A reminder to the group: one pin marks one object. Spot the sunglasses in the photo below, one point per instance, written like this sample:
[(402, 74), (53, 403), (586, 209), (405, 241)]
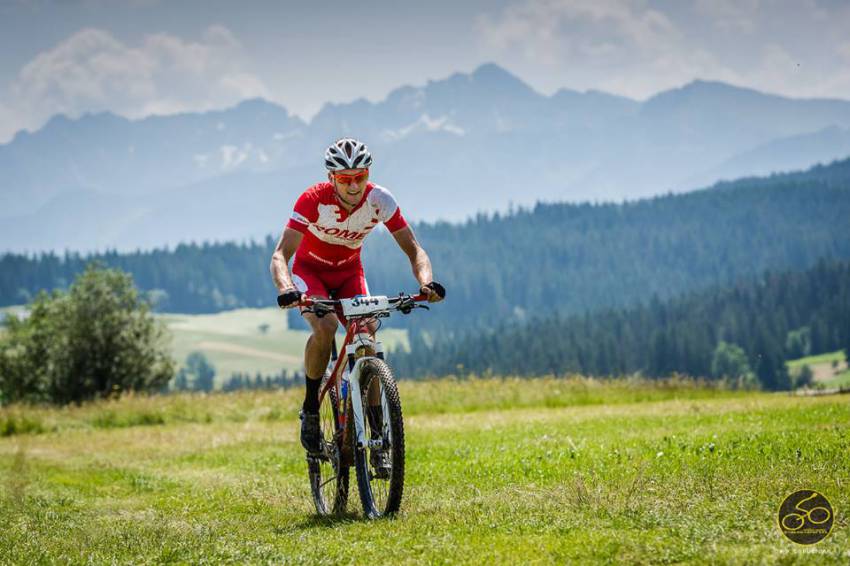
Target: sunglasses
[(348, 179)]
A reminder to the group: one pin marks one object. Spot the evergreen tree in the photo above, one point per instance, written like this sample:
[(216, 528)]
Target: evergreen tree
[(201, 370), (181, 381), (565, 258), (799, 343), (725, 333)]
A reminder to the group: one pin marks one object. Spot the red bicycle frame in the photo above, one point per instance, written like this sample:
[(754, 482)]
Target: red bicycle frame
[(355, 326)]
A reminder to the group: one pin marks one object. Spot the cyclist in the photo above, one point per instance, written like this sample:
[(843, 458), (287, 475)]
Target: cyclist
[(325, 232)]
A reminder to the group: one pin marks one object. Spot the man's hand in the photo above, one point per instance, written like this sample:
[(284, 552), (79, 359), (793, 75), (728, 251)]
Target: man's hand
[(289, 298), (435, 292)]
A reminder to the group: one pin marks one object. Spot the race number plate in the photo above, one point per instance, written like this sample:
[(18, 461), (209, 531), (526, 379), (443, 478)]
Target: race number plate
[(364, 305)]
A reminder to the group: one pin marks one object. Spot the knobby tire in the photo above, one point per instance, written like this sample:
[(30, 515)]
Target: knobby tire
[(378, 369), (322, 471)]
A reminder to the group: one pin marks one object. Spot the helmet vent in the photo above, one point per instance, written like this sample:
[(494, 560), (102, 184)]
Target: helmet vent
[(347, 153)]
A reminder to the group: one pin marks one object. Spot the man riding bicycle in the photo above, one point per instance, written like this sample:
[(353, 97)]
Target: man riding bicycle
[(327, 228)]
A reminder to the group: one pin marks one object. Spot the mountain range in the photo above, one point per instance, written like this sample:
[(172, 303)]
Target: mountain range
[(447, 150)]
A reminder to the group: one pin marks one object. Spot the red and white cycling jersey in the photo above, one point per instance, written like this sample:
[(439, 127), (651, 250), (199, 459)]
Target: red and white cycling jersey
[(332, 235)]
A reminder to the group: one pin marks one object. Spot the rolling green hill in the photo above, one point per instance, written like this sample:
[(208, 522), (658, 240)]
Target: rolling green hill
[(249, 341), (829, 370)]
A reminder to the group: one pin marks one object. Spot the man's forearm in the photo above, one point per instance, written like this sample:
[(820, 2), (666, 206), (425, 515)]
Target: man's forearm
[(283, 252), (280, 272), (419, 261), (421, 265)]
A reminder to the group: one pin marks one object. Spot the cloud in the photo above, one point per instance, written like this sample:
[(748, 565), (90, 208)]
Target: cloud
[(92, 70), (551, 28), (735, 16), (638, 47), (7, 118), (620, 45)]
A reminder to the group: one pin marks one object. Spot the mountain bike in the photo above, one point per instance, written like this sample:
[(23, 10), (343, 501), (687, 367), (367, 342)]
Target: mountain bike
[(360, 412)]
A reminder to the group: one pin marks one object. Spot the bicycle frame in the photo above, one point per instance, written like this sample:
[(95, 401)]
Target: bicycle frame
[(362, 422), (355, 328)]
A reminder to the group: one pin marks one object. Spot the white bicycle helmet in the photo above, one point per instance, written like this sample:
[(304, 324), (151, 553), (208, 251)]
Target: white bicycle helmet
[(347, 153)]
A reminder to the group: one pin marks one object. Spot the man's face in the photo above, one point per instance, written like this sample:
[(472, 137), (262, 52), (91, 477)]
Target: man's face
[(350, 184)]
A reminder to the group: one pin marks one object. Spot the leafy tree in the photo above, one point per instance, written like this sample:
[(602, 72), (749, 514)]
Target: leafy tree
[(95, 340), (729, 361)]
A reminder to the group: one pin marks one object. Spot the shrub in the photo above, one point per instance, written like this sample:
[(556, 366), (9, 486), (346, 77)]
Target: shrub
[(96, 340)]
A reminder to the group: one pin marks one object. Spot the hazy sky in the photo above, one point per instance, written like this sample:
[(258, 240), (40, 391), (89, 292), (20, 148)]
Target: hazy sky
[(139, 57)]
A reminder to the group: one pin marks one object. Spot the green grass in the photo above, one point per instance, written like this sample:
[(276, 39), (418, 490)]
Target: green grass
[(830, 370), (498, 471), (818, 359), (839, 380)]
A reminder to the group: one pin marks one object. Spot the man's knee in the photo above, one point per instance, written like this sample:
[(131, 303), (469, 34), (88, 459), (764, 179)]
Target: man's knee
[(324, 328)]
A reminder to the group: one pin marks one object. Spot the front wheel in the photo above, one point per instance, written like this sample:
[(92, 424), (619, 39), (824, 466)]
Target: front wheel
[(328, 472), (380, 469)]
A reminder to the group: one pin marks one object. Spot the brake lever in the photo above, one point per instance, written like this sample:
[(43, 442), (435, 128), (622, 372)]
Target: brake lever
[(319, 312), (408, 307)]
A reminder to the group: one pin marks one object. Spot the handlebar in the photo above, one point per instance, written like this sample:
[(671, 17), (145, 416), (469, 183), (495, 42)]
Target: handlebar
[(403, 303)]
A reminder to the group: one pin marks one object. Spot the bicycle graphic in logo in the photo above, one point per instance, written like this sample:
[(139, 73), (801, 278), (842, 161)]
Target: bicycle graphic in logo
[(805, 517)]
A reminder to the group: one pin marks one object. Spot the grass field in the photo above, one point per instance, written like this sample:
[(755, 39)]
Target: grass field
[(542, 471), (830, 370)]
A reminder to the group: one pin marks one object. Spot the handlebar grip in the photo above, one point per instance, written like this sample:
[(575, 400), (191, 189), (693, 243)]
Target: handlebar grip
[(437, 288), (290, 298)]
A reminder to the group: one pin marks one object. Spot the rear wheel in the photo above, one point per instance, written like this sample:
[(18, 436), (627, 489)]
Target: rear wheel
[(381, 487), (328, 475)]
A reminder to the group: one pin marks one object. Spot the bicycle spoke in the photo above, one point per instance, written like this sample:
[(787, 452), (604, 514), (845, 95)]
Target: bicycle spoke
[(328, 479)]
